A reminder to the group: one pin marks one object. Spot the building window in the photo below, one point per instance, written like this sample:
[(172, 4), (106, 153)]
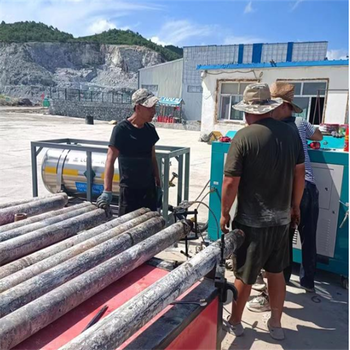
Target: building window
[(151, 88), (194, 89), (230, 94), (310, 96)]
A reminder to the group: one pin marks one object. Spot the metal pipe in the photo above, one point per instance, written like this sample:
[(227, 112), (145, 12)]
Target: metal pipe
[(165, 209), (30, 318), (118, 326), (20, 216), (34, 207), (21, 201), (42, 254), (74, 211), (187, 175), (25, 292), (89, 176), (180, 180), (34, 162), (23, 245), (37, 218), (124, 231)]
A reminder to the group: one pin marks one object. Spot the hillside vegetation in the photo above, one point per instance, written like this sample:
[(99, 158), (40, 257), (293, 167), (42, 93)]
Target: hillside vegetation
[(22, 32)]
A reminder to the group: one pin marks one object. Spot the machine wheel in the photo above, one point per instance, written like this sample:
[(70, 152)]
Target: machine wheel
[(344, 282)]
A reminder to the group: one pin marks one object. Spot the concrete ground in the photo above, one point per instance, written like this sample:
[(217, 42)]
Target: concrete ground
[(317, 321), (311, 321), (18, 129)]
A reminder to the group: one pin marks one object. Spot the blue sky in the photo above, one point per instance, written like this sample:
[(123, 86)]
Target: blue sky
[(198, 22)]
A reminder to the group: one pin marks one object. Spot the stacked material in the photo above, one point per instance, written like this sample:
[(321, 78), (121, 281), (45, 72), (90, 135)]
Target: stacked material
[(117, 327), (38, 286), (55, 261), (24, 237), (31, 207)]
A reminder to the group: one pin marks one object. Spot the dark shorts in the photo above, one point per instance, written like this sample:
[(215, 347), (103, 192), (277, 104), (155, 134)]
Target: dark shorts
[(263, 248), (131, 199)]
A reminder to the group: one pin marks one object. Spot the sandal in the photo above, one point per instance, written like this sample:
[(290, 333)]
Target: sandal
[(276, 333), (236, 330)]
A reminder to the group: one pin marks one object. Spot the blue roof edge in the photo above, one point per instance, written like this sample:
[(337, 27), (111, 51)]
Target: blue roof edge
[(276, 65)]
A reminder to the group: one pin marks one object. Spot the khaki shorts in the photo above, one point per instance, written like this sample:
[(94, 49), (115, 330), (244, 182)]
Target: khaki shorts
[(263, 248)]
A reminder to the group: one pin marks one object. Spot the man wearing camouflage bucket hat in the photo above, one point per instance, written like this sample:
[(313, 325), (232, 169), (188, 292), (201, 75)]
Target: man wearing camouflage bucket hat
[(133, 143), (264, 163), (309, 206)]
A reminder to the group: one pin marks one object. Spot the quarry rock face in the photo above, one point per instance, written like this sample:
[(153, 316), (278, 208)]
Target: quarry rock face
[(26, 67)]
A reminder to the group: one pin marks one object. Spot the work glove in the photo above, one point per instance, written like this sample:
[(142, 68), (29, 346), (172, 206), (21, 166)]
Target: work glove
[(105, 199)]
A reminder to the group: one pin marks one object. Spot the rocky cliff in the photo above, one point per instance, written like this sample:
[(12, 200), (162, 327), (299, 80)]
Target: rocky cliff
[(29, 68)]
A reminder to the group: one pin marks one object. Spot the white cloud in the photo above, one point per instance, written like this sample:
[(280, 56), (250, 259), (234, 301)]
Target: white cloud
[(100, 26), (73, 16), (156, 40), (249, 8), (337, 54), (177, 32), (233, 40), (296, 4)]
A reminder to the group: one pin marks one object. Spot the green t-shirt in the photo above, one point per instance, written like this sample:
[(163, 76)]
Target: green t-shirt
[(264, 156)]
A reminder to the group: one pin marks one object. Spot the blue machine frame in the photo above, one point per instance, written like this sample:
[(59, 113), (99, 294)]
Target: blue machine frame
[(339, 262)]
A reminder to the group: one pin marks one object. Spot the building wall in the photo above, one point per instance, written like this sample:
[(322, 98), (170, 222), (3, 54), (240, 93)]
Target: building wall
[(167, 76), (335, 102), (192, 108), (181, 78), (107, 111), (100, 111), (226, 54)]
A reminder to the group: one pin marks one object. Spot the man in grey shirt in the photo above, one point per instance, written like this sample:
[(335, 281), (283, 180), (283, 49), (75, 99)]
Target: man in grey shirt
[(309, 207)]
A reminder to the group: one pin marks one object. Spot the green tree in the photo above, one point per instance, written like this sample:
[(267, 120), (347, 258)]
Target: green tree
[(29, 31)]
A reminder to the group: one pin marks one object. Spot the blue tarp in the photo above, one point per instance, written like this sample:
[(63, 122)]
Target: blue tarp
[(169, 101)]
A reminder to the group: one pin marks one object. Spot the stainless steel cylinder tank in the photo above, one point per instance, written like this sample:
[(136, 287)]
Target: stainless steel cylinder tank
[(66, 169)]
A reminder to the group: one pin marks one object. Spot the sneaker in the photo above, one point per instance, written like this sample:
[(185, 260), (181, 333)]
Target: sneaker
[(259, 284), (229, 264), (260, 303)]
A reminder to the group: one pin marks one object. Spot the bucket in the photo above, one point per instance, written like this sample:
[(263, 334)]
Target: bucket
[(89, 119)]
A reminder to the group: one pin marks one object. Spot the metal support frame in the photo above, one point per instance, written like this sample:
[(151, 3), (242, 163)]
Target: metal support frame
[(163, 153)]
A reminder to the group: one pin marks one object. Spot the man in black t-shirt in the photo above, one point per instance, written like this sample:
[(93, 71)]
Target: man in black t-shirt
[(133, 143)]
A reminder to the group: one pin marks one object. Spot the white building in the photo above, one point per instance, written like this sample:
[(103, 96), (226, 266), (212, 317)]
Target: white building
[(181, 78), (321, 89)]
